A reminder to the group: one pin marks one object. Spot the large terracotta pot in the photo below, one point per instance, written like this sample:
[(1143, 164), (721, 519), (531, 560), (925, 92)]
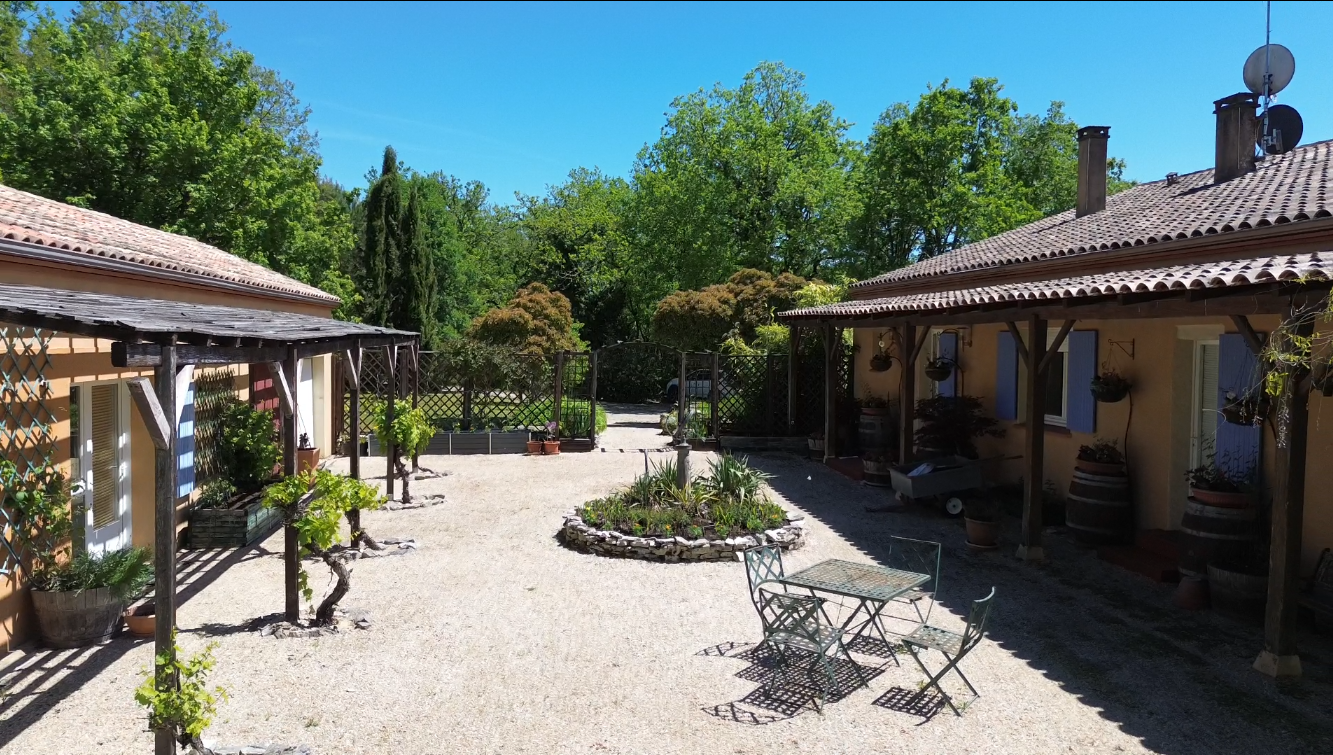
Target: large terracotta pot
[(1222, 500), (306, 459), (75, 619), (141, 621), (982, 534), (551, 446), (535, 447), (1098, 468)]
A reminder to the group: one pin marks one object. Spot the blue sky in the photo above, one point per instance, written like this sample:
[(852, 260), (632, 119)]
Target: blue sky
[(516, 95)]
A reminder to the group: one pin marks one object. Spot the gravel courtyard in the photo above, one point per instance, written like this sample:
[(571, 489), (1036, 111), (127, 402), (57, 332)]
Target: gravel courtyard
[(494, 638)]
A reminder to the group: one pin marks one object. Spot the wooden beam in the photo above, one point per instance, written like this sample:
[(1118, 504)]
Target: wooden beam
[(1252, 339), (164, 537), (1034, 447), (353, 366), (353, 363), (916, 346), (1056, 343), (150, 354), (830, 394), (286, 398), (1279, 657), (1018, 340), (907, 396), (145, 399)]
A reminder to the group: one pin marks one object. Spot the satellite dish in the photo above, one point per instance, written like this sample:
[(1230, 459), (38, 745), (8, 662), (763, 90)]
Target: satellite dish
[(1281, 64), (1283, 131)]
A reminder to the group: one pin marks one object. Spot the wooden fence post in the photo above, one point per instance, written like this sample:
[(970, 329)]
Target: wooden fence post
[(164, 534), (682, 398), (592, 398), (793, 347), (830, 394), (715, 388), (291, 557), (1034, 447), (354, 363), (559, 397), (390, 398)]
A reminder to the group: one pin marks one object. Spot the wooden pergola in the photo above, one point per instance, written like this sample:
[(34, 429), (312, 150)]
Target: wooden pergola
[(912, 321), (173, 338)]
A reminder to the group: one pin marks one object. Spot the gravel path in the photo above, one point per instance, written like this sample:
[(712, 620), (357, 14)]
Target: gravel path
[(493, 638), (633, 426)]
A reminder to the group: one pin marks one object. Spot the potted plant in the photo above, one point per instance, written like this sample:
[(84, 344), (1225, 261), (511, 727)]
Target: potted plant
[(816, 444), (950, 425), (940, 368), (1108, 386), (535, 441), (141, 619), (981, 516), (1247, 410), (1103, 457), (875, 465), (1213, 485), (307, 454), (551, 439), (873, 406), (80, 601)]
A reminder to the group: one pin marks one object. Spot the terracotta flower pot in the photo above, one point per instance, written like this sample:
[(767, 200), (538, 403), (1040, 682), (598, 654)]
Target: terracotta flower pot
[(142, 621), (1222, 500), (1099, 468), (535, 447), (982, 534), (551, 446), (306, 459), (875, 411)]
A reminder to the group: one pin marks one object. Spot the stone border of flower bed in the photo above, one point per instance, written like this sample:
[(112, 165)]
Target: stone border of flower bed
[(575, 533)]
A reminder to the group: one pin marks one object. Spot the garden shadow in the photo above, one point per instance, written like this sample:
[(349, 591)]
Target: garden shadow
[(784, 691), (34, 682), (1180, 682)]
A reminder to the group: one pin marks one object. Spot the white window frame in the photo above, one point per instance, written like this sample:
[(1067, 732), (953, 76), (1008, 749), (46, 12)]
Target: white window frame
[(1062, 419), (124, 462), (1196, 401)]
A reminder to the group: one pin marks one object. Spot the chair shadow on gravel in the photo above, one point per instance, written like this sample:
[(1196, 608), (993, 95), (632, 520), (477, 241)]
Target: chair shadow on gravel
[(911, 702), (1111, 641), (782, 693), (22, 675)]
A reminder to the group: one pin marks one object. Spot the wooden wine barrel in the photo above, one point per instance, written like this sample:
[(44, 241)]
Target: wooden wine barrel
[(1099, 509), (874, 431), (1214, 533)]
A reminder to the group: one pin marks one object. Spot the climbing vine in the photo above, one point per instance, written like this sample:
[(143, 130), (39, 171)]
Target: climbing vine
[(1298, 350)]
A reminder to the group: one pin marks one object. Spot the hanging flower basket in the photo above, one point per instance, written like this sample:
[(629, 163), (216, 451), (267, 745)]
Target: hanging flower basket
[(1109, 387), (880, 363), (1248, 411), (939, 370)]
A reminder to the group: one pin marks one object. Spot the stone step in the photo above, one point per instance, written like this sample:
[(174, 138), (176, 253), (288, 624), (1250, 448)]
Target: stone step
[(1142, 562)]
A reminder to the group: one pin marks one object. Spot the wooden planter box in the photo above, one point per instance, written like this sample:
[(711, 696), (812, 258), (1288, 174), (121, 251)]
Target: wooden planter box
[(443, 444), (237, 526)]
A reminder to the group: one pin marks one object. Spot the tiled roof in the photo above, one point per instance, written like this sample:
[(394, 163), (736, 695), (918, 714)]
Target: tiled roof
[(1315, 266), (1286, 189), (36, 220)]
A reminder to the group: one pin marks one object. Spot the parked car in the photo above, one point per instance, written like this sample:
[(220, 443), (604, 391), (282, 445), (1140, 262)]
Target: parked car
[(698, 384)]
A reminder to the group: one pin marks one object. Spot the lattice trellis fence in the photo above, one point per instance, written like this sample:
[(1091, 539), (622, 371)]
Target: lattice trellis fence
[(27, 435), (214, 390)]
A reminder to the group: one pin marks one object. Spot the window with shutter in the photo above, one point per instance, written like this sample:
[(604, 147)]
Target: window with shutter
[(1238, 374), (104, 435), (1203, 436), (1080, 368), (946, 347)]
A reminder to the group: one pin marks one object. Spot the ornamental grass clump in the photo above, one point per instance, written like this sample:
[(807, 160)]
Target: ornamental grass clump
[(727, 501)]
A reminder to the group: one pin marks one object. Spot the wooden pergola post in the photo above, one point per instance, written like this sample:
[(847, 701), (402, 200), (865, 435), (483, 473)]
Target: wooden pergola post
[(1279, 657), (290, 377), (352, 360), (830, 394), (164, 534), (1034, 445), (592, 397), (714, 390), (390, 398), (910, 345), (414, 353)]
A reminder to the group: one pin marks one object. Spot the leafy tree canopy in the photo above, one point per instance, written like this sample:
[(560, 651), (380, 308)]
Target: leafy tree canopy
[(537, 321)]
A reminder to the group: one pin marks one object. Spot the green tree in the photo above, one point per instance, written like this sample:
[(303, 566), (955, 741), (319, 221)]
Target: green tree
[(380, 242), (416, 285), (757, 176), (957, 167), (536, 321), (144, 111)]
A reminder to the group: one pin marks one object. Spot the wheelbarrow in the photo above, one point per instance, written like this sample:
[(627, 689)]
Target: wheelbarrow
[(942, 480)]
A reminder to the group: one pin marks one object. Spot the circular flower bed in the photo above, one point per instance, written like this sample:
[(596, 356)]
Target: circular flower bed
[(715, 517)]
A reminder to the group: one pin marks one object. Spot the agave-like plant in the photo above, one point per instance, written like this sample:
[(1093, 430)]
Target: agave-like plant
[(734, 479)]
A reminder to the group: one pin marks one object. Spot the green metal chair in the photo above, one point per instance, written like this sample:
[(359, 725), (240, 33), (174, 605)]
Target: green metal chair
[(923, 557), (793, 621), (763, 564), (954, 647)]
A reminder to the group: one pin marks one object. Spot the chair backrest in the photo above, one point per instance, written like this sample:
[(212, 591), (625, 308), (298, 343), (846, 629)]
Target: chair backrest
[(977, 619), (790, 614), (920, 556), (762, 564)]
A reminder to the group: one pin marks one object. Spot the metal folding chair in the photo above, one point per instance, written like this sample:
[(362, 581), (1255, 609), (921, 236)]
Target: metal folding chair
[(922, 557), (952, 645), (793, 621), (763, 564)]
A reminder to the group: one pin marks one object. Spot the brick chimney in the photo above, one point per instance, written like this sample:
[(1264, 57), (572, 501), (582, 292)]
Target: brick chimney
[(1092, 169), (1236, 131)]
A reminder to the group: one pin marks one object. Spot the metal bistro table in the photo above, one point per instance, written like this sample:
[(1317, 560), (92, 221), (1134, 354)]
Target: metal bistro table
[(873, 586)]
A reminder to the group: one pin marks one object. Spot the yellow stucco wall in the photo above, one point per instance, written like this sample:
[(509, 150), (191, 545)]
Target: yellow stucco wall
[(1158, 447)]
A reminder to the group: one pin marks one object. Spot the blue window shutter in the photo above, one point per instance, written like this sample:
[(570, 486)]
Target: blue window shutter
[(1006, 377), (1081, 408), (1237, 447), (185, 445), (948, 349)]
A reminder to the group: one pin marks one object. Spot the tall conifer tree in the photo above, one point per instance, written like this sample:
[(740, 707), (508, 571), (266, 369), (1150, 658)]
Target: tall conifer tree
[(380, 247), (415, 287)]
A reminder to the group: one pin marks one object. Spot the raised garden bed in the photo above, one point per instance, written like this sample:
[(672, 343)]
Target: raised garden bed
[(445, 444), (789, 536), (242, 522)]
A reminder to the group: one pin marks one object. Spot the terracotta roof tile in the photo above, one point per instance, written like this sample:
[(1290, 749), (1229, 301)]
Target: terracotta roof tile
[(1286, 189), (36, 220), (1314, 266)]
